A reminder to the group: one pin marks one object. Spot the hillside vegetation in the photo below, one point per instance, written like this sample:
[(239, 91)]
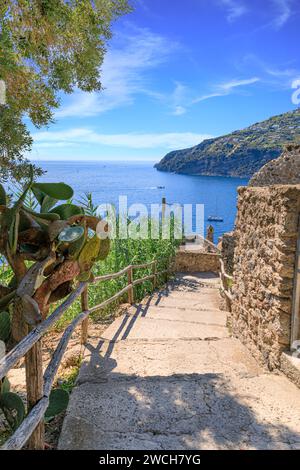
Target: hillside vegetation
[(241, 153)]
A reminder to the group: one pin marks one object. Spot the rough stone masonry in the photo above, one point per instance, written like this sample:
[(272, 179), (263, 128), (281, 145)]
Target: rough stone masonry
[(282, 170), (266, 239)]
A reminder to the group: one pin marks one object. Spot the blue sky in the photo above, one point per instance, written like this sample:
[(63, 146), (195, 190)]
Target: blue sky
[(177, 72)]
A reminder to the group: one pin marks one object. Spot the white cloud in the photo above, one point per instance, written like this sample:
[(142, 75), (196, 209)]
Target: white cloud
[(84, 136), (227, 88), (279, 76), (235, 9), (179, 111), (283, 13), (124, 74), (179, 99)]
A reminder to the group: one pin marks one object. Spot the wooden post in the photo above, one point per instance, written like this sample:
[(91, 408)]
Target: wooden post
[(85, 323), (154, 272), (164, 203), (35, 391), (130, 291)]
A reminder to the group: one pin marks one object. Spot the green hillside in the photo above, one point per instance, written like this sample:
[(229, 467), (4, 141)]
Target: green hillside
[(240, 153)]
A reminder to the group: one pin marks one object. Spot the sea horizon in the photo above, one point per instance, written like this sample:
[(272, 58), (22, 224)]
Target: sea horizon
[(146, 185)]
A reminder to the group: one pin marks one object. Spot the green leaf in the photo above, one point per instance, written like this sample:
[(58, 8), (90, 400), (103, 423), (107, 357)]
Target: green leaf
[(4, 326), (84, 277), (75, 248), (4, 301), (48, 216), (13, 409), (2, 196), (29, 249), (89, 253), (48, 203), (60, 191), (25, 222), (5, 386), (71, 234), (104, 249), (38, 194), (65, 211), (58, 402), (13, 233)]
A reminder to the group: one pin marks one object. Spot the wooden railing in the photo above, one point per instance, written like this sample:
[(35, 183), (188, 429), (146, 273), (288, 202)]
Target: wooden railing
[(226, 286), (35, 416)]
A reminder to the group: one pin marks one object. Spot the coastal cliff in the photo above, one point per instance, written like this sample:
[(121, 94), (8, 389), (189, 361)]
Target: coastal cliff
[(239, 154)]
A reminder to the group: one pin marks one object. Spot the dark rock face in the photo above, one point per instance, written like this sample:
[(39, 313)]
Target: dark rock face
[(239, 154), (283, 170)]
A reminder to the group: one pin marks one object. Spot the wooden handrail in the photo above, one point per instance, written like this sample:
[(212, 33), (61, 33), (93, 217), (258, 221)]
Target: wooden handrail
[(143, 279), (8, 361), (143, 266), (109, 301), (36, 414), (230, 278), (110, 277), (224, 278)]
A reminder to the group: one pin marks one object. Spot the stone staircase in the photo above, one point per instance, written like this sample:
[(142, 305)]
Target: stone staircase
[(166, 375)]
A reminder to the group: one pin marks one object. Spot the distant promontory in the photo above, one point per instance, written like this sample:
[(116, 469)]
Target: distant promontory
[(239, 154)]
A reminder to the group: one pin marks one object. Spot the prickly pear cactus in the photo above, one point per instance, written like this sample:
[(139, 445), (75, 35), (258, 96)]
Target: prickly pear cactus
[(50, 247), (104, 249), (89, 254), (59, 238), (58, 402), (11, 404), (4, 386), (13, 409)]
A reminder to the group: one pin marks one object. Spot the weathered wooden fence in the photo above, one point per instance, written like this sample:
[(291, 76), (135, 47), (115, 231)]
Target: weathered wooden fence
[(226, 286), (31, 430)]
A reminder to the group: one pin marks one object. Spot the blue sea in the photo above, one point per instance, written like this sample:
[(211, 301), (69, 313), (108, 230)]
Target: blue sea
[(143, 184)]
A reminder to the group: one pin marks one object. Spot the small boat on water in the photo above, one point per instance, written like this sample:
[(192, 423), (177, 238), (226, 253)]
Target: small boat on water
[(215, 218)]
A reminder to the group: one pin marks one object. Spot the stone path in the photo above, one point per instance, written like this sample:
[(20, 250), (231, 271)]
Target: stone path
[(167, 376)]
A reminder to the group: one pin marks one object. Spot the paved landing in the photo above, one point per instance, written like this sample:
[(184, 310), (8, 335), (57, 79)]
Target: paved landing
[(167, 376)]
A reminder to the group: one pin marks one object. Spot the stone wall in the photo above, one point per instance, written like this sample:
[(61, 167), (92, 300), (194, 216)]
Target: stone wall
[(282, 170), (264, 263), (227, 244), (192, 261)]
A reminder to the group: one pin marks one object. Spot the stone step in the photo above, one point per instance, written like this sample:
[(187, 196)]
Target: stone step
[(183, 314), (128, 327), (290, 366), (128, 360), (204, 299), (166, 375), (183, 411), (209, 279)]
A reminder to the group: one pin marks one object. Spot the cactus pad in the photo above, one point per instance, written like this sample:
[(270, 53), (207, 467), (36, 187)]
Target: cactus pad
[(104, 249), (4, 326), (89, 254), (70, 234), (5, 386), (58, 402), (13, 409)]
